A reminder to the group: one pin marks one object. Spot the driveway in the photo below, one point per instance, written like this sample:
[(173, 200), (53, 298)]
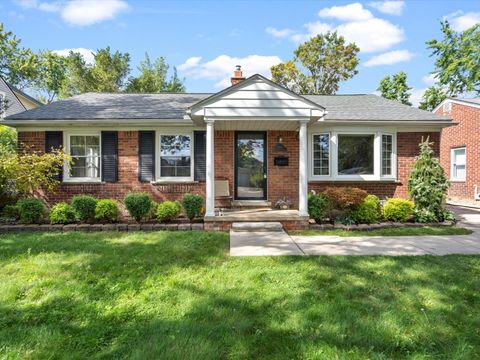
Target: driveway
[(276, 244)]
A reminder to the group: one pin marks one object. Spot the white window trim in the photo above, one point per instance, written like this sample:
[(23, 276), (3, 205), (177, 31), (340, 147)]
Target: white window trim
[(333, 155), (158, 177), (452, 165), (66, 167)]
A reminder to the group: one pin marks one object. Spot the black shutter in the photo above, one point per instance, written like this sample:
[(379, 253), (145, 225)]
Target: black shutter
[(146, 156), (109, 156), (200, 155), (54, 141)]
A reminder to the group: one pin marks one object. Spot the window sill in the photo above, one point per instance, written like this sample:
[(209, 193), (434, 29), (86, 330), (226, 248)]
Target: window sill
[(458, 180), (166, 182), (338, 180), (82, 182)]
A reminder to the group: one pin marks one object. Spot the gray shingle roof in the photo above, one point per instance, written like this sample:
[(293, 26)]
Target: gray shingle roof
[(172, 106)]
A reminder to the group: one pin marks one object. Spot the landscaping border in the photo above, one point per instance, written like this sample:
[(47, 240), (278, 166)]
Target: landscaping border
[(101, 227), (382, 225)]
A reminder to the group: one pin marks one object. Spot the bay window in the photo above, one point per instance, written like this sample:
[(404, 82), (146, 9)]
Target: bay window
[(458, 167), (85, 153), (347, 155), (175, 156)]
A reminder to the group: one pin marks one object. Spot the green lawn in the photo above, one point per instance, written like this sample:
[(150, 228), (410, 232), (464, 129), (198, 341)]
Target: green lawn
[(178, 295), (413, 231)]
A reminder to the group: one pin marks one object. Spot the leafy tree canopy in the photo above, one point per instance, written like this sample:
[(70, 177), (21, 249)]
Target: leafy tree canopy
[(457, 61), (153, 78), (319, 65), (395, 88), (432, 97)]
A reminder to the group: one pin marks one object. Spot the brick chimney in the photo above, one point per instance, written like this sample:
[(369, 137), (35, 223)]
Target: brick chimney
[(237, 75)]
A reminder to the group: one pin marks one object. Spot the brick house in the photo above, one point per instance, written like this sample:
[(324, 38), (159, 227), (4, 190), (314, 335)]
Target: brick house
[(268, 142), (460, 148)]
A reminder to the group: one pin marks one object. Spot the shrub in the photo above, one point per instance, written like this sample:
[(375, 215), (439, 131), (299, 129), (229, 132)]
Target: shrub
[(427, 184), (344, 198), (31, 210), (62, 213), (168, 211), (192, 205), (84, 207), (426, 216), (107, 210), (11, 212), (317, 207), (399, 210), (368, 212), (138, 205)]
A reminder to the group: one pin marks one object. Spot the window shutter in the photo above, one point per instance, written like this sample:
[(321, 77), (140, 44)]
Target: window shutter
[(54, 141), (200, 158), (109, 156), (146, 156)]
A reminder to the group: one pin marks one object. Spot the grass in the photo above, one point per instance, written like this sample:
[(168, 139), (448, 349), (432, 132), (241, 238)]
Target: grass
[(414, 231), (178, 295)]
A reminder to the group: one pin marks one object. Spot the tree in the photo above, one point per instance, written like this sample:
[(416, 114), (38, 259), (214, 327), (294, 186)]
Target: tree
[(106, 74), (8, 140), (395, 88), (427, 184), (18, 65), (432, 97), (319, 65), (457, 61), (153, 78), (53, 69)]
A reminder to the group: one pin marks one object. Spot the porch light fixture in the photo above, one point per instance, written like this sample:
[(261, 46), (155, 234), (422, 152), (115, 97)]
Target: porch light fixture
[(280, 147)]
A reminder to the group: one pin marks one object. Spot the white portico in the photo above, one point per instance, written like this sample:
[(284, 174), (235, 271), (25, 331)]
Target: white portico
[(253, 107)]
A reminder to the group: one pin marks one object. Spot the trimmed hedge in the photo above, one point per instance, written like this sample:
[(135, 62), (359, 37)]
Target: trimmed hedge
[(107, 210), (368, 212), (317, 207), (138, 205), (192, 205), (168, 211), (398, 210), (84, 207), (31, 210), (62, 213)]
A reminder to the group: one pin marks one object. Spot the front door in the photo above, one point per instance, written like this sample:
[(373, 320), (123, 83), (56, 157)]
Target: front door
[(250, 165)]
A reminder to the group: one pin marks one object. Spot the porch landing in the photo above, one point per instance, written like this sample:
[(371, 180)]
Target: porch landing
[(290, 219)]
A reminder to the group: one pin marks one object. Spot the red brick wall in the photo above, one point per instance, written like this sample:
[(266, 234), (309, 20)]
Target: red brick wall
[(466, 133), (407, 149), (34, 140), (282, 181)]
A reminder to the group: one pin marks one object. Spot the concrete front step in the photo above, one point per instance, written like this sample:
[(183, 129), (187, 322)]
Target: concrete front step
[(251, 204), (257, 226)]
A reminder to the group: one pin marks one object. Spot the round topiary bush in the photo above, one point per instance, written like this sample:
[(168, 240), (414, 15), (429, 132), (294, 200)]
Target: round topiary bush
[(168, 211), (368, 212), (107, 211), (11, 212), (84, 207), (31, 210), (62, 213), (399, 210), (138, 205), (192, 205)]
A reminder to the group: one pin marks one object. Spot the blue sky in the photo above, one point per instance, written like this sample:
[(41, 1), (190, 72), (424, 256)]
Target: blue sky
[(206, 39)]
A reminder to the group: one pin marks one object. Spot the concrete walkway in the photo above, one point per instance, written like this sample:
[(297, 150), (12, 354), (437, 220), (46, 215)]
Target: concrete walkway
[(274, 243)]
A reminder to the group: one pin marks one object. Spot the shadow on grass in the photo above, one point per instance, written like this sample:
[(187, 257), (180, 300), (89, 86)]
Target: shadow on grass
[(177, 296)]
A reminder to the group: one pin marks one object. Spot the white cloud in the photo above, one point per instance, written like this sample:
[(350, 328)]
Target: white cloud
[(88, 12), (79, 12), (279, 33), (351, 12), (87, 54), (357, 24), (221, 68), (429, 79), (391, 7), (461, 21), (389, 58), (416, 96)]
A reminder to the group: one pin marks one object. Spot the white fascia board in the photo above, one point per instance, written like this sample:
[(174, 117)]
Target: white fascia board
[(96, 122)]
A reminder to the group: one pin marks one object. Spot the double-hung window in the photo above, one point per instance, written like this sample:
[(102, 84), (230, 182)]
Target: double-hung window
[(321, 154), (176, 157), (458, 167), (387, 155), (85, 153)]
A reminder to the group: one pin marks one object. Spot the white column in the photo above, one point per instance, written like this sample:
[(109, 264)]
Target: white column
[(210, 176), (302, 168)]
